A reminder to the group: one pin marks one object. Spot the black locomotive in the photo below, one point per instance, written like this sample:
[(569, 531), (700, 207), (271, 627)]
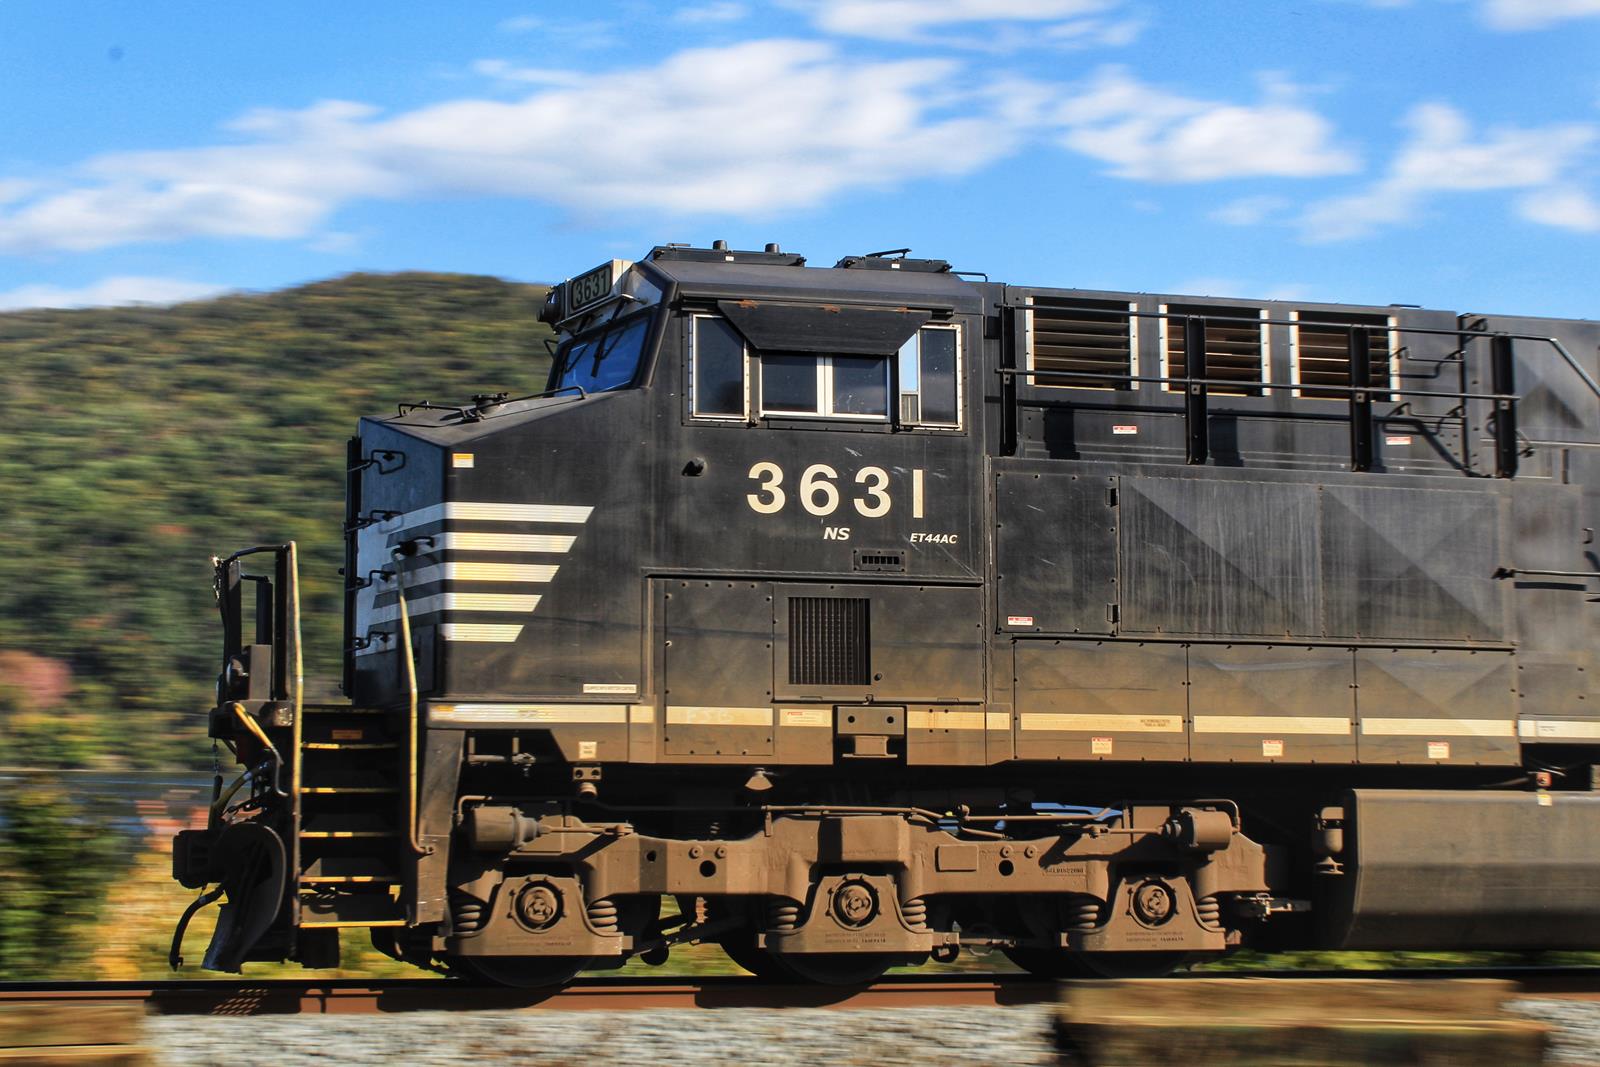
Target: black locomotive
[(872, 612)]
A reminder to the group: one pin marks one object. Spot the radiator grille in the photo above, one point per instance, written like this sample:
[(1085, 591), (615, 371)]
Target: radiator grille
[(829, 641), (1233, 347), (1322, 352), (1087, 336)]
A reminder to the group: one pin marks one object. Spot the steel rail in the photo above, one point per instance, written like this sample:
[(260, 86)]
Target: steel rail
[(634, 993)]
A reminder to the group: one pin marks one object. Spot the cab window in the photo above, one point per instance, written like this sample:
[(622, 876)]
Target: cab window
[(600, 362), (716, 369), (730, 379), (930, 377), (842, 387)]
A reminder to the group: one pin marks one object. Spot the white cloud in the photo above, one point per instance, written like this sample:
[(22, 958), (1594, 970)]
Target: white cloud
[(1442, 156), (988, 25), (718, 11), (504, 71), (1151, 134), (1249, 210), (335, 242), (557, 35), (15, 189), (1517, 15), (1563, 207), (754, 128), (126, 289), (1535, 14)]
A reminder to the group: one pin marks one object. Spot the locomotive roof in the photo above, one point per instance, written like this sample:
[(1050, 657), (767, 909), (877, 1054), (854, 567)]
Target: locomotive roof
[(924, 289)]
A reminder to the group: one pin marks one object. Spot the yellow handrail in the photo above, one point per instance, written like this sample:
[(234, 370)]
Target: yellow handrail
[(299, 668), (411, 699)]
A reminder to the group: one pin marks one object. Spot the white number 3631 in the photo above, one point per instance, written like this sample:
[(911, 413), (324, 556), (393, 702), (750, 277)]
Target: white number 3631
[(819, 494)]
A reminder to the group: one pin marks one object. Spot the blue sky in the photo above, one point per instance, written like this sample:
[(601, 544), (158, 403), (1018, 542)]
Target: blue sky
[(1437, 152)]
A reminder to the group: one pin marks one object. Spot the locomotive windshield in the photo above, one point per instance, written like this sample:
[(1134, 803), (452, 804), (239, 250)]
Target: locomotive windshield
[(602, 361)]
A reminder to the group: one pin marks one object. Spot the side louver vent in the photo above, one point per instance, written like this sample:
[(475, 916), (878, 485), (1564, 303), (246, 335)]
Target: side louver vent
[(1235, 350), (1093, 337), (1322, 351), (830, 641)]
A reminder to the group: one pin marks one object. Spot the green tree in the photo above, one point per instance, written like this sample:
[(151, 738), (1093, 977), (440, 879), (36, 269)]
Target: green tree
[(141, 441), (55, 861)]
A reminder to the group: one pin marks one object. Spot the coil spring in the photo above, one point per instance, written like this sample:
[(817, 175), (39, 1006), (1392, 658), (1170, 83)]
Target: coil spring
[(467, 914), (1083, 913), (915, 913), (783, 914), (603, 915), (1210, 911)]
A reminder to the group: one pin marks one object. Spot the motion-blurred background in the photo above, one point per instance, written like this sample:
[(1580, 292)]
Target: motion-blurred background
[(1440, 152)]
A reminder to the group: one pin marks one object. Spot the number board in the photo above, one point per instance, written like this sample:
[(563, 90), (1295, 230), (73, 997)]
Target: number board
[(590, 287)]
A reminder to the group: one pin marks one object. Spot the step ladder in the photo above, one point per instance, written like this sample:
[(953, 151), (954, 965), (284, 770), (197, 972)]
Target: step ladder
[(351, 841)]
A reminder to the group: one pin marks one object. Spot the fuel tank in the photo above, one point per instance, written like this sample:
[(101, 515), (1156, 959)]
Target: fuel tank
[(1466, 870)]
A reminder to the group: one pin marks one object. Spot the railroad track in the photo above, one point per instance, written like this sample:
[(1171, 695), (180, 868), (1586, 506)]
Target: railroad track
[(628, 993)]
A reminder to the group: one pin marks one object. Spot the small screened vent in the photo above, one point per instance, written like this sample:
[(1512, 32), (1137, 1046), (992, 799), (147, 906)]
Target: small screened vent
[(880, 559), (910, 409), (1088, 337), (829, 641), (1322, 352), (1234, 349)]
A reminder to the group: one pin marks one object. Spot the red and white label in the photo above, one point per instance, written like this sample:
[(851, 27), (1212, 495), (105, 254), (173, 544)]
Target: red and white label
[(1125, 431), (1100, 746), (1019, 620), (1271, 748), (1438, 750), (1397, 439)]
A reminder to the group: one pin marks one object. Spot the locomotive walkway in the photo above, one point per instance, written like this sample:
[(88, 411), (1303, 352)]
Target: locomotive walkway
[(618, 993)]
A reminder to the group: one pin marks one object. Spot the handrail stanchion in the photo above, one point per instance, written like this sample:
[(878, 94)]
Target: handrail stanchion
[(1360, 399), (1016, 321), (1194, 395), (1502, 376)]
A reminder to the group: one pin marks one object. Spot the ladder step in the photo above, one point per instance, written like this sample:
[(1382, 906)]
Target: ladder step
[(323, 790), (350, 909), (349, 824), (340, 709), (348, 746), (348, 871), (363, 867)]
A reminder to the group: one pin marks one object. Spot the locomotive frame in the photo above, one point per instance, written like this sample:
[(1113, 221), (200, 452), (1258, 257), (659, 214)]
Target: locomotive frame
[(873, 612)]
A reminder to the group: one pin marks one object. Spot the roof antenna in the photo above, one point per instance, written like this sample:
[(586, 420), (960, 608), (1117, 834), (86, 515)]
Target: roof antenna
[(898, 253)]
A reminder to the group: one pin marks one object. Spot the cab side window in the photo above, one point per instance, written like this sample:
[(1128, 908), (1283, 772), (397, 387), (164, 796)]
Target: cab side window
[(730, 380), (930, 377), (716, 369), (843, 387)]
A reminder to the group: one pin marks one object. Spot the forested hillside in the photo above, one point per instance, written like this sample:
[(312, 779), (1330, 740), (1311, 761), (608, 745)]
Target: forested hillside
[(138, 442)]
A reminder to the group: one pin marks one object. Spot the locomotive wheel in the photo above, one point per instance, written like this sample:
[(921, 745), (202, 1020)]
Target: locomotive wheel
[(838, 968), (521, 972), (741, 949), (1060, 963)]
